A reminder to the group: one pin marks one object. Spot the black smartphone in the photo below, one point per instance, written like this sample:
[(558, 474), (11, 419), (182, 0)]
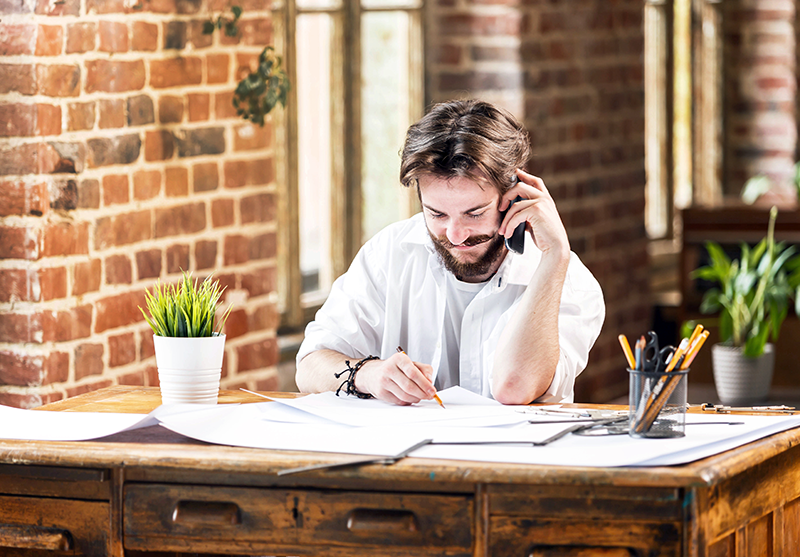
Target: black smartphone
[(516, 242)]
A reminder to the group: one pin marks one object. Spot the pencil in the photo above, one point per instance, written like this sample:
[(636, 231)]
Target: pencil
[(436, 396), (626, 348)]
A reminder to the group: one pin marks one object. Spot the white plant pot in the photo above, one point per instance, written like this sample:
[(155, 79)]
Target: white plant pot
[(741, 380), (189, 369)]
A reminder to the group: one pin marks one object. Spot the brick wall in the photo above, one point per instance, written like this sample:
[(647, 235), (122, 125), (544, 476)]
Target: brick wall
[(122, 161), (760, 57), (573, 71)]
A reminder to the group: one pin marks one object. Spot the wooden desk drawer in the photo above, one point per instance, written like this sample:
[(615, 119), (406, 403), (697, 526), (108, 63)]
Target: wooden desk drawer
[(34, 526), (241, 520)]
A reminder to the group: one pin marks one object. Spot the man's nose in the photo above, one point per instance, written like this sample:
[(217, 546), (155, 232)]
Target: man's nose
[(456, 233)]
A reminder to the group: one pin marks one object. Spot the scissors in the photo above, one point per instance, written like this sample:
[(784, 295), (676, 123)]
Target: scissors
[(653, 358)]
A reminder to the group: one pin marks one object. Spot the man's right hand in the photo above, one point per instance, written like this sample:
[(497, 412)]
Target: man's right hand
[(398, 380)]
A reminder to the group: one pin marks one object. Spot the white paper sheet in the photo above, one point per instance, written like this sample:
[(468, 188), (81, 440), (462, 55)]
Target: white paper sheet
[(41, 425), (462, 408)]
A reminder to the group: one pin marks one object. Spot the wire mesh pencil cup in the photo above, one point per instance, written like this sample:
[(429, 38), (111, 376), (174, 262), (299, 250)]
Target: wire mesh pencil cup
[(657, 403)]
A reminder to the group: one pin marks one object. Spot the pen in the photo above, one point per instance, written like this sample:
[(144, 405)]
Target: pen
[(439, 400)]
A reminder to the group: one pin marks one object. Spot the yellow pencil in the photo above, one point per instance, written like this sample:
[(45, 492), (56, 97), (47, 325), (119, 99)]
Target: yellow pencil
[(626, 348), (436, 396)]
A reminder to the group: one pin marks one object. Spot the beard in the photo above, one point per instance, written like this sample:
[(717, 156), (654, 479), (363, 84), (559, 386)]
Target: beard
[(470, 269)]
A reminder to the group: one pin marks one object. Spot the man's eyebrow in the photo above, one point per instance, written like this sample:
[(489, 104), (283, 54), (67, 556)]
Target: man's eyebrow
[(472, 210)]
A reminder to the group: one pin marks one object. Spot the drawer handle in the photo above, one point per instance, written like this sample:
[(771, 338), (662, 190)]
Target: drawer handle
[(207, 512), (382, 520), (573, 551), (34, 537)]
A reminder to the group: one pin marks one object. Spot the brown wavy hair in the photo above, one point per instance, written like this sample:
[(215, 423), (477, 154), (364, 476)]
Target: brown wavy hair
[(469, 138)]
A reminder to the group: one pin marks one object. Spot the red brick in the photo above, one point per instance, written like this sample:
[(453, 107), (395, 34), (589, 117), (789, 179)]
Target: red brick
[(22, 370), (16, 286), (89, 194), (80, 37), (237, 249), (159, 145), (114, 76), (58, 7), (80, 116), (199, 106), (217, 68), (223, 106), (17, 78), (66, 238), (206, 176), (53, 283), (123, 229), (118, 311), (66, 325), (19, 120), (237, 324), (176, 72), (183, 219), (260, 281), (88, 360), (177, 258), (196, 37), (257, 355), (121, 350), (235, 174), (176, 181), (146, 348), (115, 189), (258, 208), (256, 31), (17, 39), (263, 246), (260, 171), (19, 243), (118, 270), (21, 327), (112, 113), (28, 401), (246, 63), (148, 264), (113, 36), (144, 36), (146, 184), (268, 384), (134, 379), (58, 80), (222, 213), (63, 195), (49, 40), (250, 137), (205, 254), (19, 198), (107, 6), (264, 318), (56, 367), (170, 109), (61, 157), (48, 119), (87, 276)]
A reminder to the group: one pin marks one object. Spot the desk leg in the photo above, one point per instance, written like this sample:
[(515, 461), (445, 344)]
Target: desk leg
[(481, 541), (117, 499)]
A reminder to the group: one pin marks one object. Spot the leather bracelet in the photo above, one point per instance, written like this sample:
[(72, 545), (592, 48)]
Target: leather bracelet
[(349, 384)]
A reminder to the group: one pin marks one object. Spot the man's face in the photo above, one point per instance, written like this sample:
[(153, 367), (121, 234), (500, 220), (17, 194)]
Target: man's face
[(462, 216)]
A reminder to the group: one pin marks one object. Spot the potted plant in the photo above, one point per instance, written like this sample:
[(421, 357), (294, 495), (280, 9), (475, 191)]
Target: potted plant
[(187, 336), (752, 296)]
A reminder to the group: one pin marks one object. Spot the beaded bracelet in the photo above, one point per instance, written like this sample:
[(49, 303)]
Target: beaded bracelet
[(349, 384)]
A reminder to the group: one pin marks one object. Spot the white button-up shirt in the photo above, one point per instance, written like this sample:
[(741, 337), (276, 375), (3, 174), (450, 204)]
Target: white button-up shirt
[(394, 294)]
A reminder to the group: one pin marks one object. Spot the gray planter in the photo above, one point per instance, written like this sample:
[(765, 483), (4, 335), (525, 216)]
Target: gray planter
[(740, 380)]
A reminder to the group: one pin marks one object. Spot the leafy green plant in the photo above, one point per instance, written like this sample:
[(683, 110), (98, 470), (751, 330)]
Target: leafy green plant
[(758, 185), (184, 309), (258, 93), (753, 292)]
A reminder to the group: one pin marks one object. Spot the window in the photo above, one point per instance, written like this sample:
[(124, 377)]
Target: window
[(357, 86)]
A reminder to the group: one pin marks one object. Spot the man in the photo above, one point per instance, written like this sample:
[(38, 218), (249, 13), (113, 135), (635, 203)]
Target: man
[(438, 300)]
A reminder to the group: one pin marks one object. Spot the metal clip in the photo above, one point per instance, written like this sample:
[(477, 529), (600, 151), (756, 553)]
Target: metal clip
[(722, 409)]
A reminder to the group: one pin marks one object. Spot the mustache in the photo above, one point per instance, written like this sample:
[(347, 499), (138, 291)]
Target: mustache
[(469, 242)]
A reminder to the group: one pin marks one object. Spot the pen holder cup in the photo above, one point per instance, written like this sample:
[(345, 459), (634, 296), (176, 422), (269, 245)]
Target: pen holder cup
[(657, 403)]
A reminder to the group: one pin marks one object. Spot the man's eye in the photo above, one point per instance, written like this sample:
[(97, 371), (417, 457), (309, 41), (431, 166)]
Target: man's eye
[(436, 215), (475, 215)]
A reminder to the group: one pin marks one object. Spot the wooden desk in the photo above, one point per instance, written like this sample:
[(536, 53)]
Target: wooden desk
[(150, 490)]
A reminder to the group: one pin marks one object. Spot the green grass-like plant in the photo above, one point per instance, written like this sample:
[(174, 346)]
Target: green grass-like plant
[(185, 309)]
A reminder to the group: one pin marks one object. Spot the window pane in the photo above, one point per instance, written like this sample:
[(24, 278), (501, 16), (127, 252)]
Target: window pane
[(318, 5), (385, 104), (314, 47), (398, 4)]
